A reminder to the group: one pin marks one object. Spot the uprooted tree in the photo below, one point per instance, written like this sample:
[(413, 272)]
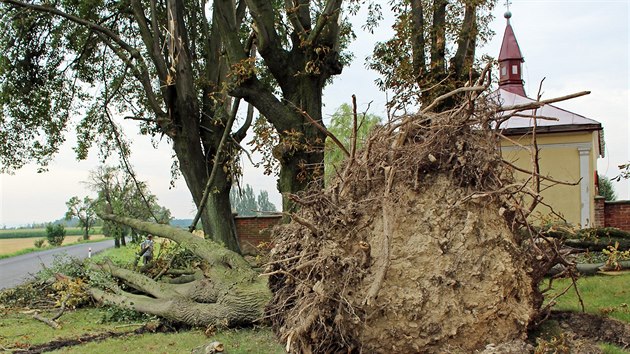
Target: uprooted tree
[(420, 244)]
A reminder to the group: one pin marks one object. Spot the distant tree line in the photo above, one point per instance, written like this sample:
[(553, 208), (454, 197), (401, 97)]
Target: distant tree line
[(246, 203)]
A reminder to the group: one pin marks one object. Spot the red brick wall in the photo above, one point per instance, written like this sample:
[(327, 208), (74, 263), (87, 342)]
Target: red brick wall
[(617, 214), (600, 215), (252, 230)]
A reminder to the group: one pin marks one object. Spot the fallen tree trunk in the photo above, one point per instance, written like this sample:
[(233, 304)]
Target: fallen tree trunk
[(588, 268), (593, 239), (588, 233), (597, 245), (603, 232), (227, 293)]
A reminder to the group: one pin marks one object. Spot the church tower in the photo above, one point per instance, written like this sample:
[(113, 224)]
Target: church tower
[(511, 62)]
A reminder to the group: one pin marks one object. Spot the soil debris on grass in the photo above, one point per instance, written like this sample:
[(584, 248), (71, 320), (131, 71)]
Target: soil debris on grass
[(87, 338), (594, 328)]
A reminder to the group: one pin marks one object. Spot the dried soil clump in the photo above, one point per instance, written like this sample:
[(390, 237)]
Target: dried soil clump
[(410, 249)]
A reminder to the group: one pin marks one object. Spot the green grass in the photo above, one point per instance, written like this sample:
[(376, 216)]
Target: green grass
[(242, 341), (602, 295), (125, 255), (611, 349), (25, 251), (121, 256), (19, 330), (35, 249), (27, 233)]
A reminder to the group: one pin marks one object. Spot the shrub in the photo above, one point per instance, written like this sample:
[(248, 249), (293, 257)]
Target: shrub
[(55, 234), (39, 243)]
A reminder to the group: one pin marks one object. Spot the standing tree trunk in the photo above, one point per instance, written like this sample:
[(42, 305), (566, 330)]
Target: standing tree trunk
[(433, 67), (86, 230), (301, 162), (196, 170), (300, 72), (196, 126)]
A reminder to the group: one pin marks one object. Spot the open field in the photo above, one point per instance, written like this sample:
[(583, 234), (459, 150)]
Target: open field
[(12, 245), (28, 233)]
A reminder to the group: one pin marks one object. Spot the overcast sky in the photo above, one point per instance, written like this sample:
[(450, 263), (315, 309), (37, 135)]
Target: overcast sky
[(576, 45)]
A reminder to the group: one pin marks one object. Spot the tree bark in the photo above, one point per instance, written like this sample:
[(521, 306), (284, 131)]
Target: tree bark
[(303, 164), (229, 293), (218, 211), (301, 73), (194, 146), (593, 239), (417, 39), (597, 245)]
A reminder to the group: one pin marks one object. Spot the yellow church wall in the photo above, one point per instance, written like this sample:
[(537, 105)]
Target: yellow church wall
[(559, 159), (552, 138)]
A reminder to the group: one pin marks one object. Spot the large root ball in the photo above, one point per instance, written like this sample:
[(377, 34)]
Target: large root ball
[(402, 255), (456, 279)]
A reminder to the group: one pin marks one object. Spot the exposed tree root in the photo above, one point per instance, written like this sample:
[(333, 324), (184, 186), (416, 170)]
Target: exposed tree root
[(430, 258)]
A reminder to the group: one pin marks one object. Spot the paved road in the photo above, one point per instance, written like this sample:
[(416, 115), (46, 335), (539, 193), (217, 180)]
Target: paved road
[(16, 270)]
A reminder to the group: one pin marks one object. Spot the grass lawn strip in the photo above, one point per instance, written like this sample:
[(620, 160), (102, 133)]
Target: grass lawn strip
[(41, 232), (242, 341), (82, 332), (603, 295)]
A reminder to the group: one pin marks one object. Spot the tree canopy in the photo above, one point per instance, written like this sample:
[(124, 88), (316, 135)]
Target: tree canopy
[(606, 188), (158, 63), (120, 194), (433, 49), (84, 211), (179, 68)]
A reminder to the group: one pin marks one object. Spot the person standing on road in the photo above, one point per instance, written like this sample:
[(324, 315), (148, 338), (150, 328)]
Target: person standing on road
[(146, 249)]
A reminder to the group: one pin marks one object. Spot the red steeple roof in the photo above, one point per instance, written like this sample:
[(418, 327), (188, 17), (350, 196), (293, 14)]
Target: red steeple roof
[(509, 47), (510, 60)]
